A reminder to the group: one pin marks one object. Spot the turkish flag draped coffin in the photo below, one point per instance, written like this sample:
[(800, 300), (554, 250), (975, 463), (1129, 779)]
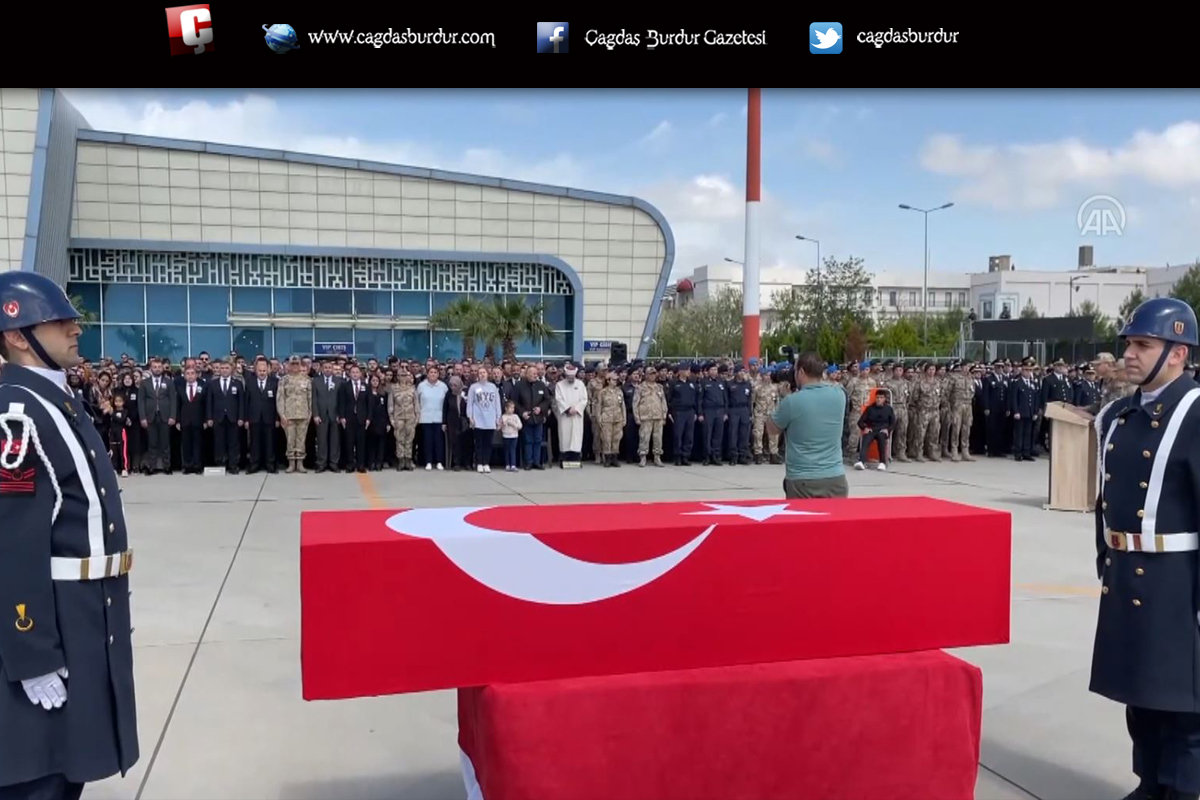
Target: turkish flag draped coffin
[(436, 598)]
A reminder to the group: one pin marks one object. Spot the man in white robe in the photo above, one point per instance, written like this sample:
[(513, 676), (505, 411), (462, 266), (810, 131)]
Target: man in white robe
[(570, 401)]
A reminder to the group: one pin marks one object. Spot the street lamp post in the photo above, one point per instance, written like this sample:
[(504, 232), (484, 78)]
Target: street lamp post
[(925, 279), (1071, 290), (819, 293)]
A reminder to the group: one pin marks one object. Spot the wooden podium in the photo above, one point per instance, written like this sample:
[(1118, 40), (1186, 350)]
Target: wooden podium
[(1072, 458)]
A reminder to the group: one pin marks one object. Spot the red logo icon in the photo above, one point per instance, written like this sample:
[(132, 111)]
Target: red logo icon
[(1178, 328), (12, 308), (190, 29)]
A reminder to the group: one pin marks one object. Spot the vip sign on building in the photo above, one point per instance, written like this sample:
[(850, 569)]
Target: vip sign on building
[(179, 247)]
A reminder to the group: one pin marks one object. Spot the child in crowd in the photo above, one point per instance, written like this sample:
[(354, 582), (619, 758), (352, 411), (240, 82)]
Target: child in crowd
[(118, 435), (510, 428)]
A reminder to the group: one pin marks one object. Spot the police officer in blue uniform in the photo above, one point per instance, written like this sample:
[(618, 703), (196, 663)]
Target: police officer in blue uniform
[(67, 712), (1023, 405), (1147, 518), (739, 397), (714, 408), (683, 403)]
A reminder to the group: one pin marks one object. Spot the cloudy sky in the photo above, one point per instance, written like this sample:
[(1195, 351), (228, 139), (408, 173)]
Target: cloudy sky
[(836, 164)]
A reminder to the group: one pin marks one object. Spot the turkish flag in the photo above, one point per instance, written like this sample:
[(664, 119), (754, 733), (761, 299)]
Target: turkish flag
[(434, 598)]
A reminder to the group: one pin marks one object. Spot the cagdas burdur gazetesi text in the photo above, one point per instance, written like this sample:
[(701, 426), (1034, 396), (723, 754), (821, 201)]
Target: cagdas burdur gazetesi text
[(654, 38)]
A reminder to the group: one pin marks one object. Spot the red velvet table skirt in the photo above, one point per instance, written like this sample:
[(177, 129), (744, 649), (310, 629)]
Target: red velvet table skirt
[(889, 727)]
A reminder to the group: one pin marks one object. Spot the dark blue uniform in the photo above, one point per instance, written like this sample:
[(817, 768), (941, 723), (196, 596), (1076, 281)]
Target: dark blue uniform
[(683, 403), (629, 438), (714, 405), (1147, 649), (1086, 393), (1023, 399), (995, 403), (59, 608), (738, 394), (1055, 388)]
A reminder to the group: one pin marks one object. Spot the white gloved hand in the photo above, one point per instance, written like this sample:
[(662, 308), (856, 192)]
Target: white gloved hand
[(48, 690)]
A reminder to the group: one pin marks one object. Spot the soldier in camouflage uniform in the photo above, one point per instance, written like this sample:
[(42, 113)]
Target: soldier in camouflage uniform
[(762, 404), (944, 374), (858, 390), (901, 392), (294, 403), (1112, 386), (402, 410), (962, 397), (926, 402), (594, 387), (611, 415), (649, 413)]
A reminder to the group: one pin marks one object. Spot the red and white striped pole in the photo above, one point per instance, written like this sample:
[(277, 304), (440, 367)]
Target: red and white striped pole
[(750, 276)]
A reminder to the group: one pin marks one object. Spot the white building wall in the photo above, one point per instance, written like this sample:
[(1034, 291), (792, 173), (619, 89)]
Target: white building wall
[(131, 192), (18, 127)]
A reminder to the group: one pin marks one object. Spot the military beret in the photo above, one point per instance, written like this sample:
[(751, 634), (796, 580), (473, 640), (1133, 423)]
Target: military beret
[(754, 361)]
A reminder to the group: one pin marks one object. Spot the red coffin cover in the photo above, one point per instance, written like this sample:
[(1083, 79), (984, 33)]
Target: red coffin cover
[(417, 599)]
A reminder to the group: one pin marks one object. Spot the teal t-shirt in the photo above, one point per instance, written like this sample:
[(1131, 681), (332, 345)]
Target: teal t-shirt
[(811, 420)]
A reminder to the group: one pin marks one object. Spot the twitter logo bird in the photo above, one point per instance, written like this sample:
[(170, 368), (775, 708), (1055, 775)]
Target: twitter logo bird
[(825, 37)]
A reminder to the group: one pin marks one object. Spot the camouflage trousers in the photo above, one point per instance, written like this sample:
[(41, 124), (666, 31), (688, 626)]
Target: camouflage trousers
[(855, 435), (927, 431), (960, 431), (610, 437), (403, 430), (296, 432), (945, 415), (758, 432), (650, 433), (900, 434), (597, 441)]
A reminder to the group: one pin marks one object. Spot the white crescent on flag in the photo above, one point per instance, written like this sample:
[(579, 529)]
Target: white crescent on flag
[(519, 565)]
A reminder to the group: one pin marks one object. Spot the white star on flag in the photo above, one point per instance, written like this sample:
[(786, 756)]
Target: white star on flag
[(756, 513)]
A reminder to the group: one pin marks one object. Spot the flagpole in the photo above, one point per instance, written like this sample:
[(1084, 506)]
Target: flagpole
[(750, 271)]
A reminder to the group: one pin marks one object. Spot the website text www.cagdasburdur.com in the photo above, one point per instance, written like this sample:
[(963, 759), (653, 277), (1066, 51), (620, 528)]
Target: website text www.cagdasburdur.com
[(378, 39), (907, 36)]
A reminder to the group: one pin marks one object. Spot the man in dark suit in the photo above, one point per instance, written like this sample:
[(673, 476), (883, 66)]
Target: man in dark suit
[(159, 403), (1025, 404), (326, 389), (226, 410), (262, 417), (353, 409), (192, 422)]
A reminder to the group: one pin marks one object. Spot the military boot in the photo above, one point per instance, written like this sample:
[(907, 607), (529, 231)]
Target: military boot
[(642, 461), (775, 459), (291, 466), (955, 457), (616, 462), (967, 457), (657, 461), (300, 466)]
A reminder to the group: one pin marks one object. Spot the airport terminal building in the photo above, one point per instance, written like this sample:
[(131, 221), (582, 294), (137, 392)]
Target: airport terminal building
[(180, 246)]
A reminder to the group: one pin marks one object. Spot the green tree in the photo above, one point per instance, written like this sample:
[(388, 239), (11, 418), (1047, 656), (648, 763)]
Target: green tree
[(840, 292), (1135, 299), (1029, 312), (710, 328), (830, 344), (899, 335), (509, 320), (1188, 287), (86, 316), (1102, 327), (467, 316)]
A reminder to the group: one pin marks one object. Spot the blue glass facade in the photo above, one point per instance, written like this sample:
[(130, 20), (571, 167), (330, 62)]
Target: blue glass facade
[(142, 320)]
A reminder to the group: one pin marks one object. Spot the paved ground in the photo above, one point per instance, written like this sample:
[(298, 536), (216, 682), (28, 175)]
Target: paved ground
[(216, 610)]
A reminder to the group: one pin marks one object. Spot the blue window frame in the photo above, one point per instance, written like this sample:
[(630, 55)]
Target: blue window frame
[(557, 344), (557, 311), (443, 299), (125, 302), (293, 301), (167, 304), (213, 340), (210, 305), (447, 345), (170, 341), (251, 301), (249, 342), (372, 304), (412, 344), (372, 343), (411, 304), (332, 301), (129, 339), (293, 341)]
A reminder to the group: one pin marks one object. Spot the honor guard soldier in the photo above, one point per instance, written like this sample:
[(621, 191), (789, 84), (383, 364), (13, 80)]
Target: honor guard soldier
[(1147, 518), (67, 712), (683, 403)]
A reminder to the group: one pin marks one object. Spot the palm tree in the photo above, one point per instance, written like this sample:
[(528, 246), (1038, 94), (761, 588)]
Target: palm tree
[(512, 320), (86, 316), (467, 316)]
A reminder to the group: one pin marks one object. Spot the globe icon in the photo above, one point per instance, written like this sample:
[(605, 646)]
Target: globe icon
[(281, 38)]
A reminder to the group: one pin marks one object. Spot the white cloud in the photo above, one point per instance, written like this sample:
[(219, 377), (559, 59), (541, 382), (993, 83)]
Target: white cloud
[(258, 121), (658, 139), (717, 119), (1040, 175)]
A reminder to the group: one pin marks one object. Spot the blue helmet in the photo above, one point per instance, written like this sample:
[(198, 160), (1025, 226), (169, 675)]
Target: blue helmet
[(28, 299), (1164, 318)]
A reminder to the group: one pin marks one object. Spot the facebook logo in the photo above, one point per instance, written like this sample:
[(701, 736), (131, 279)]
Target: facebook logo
[(553, 37)]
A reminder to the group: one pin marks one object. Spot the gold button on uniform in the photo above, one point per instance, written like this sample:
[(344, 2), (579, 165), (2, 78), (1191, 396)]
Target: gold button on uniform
[(1108, 562), (1104, 505), (1104, 590), (1137, 602), (110, 639), (93, 452), (1107, 477), (1121, 421), (1145, 454), (112, 528), (1140, 571), (1141, 513), (1110, 447), (108, 601), (1143, 485), (1153, 423), (102, 492)]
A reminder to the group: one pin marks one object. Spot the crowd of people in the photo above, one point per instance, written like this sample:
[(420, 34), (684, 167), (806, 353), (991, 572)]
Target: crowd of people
[(338, 413)]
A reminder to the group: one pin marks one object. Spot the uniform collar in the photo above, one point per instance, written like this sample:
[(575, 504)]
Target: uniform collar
[(44, 380), (1165, 400)]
